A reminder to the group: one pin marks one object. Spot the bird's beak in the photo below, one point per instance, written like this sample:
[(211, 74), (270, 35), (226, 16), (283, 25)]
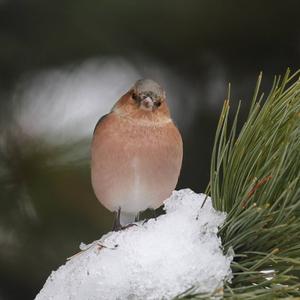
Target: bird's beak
[(147, 103)]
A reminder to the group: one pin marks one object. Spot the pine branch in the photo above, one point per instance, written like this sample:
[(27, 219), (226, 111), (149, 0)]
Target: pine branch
[(255, 178)]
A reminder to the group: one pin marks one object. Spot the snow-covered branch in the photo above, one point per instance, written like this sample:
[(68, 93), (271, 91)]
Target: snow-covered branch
[(157, 259)]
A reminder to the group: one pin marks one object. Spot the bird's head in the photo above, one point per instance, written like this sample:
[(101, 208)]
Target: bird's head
[(148, 94), (146, 100)]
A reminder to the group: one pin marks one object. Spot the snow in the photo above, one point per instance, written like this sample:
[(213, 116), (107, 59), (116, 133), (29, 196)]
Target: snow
[(157, 259)]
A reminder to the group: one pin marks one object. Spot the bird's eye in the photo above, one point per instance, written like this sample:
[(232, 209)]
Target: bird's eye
[(134, 96), (158, 103)]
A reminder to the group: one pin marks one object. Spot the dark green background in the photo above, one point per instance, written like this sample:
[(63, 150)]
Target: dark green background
[(194, 40)]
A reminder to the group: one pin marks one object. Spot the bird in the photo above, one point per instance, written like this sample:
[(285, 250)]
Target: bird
[(136, 153)]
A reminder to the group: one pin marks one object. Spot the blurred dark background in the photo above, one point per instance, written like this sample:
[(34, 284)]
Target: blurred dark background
[(64, 63)]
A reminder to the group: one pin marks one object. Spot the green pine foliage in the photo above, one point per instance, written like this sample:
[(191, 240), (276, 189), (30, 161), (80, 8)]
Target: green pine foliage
[(255, 178)]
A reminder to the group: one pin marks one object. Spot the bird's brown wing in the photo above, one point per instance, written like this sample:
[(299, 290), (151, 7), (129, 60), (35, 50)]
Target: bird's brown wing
[(99, 121)]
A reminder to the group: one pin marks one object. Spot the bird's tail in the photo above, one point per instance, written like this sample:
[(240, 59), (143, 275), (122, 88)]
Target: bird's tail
[(127, 218)]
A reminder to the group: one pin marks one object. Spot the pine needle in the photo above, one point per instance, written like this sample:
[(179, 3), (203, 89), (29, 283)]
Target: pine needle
[(255, 178)]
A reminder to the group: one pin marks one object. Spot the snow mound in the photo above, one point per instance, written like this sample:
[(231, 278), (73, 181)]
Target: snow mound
[(158, 259)]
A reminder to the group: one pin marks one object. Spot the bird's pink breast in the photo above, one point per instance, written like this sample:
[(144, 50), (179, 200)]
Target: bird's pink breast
[(133, 166)]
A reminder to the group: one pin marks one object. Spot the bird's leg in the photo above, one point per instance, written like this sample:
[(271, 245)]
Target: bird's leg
[(117, 225)]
